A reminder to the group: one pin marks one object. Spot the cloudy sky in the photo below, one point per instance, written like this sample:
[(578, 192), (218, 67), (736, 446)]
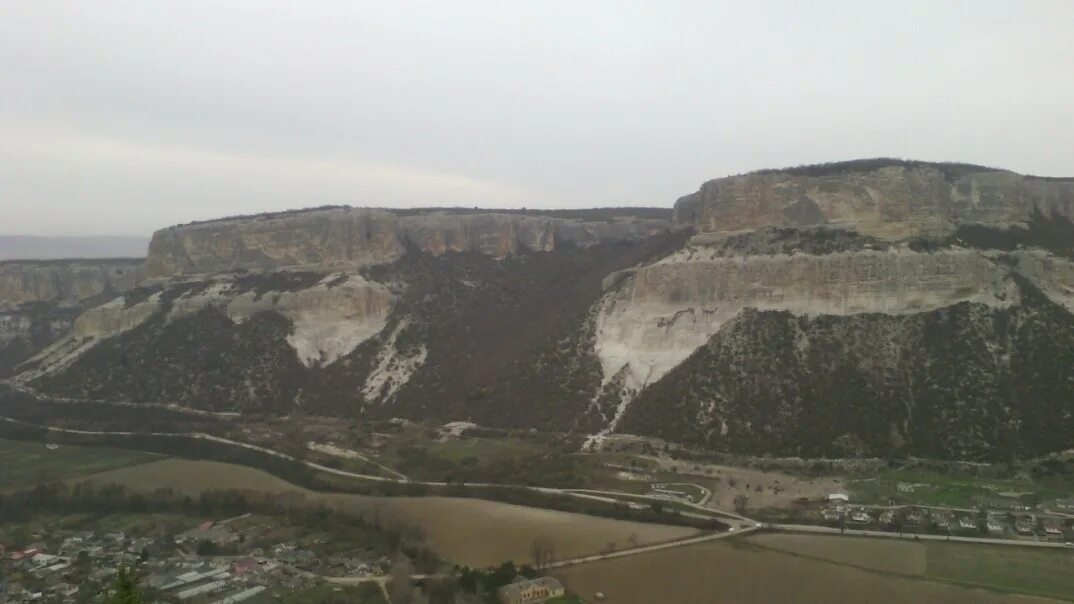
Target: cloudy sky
[(123, 117)]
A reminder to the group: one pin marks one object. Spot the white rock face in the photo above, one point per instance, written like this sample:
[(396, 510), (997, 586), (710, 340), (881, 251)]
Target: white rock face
[(96, 324), (394, 368), (330, 321), (330, 318), (667, 310), (1052, 274)]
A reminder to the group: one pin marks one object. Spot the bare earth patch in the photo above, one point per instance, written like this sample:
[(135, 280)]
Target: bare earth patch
[(762, 489)]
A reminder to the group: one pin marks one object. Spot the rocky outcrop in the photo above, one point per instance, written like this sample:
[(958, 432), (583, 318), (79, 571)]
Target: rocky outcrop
[(335, 238), (40, 299), (668, 309), (810, 295), (891, 200), (65, 281), (329, 315)]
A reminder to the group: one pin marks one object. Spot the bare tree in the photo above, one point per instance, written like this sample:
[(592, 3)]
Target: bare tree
[(542, 552), (632, 540), (401, 589)]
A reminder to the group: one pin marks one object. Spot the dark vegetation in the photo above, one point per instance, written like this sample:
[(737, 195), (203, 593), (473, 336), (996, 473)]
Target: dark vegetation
[(507, 344), (485, 582), (579, 214), (276, 281), (507, 340), (48, 321), (108, 499), (951, 170), (65, 261), (783, 240), (1050, 231), (203, 360), (104, 416), (1053, 232), (299, 474), (588, 214), (963, 382)]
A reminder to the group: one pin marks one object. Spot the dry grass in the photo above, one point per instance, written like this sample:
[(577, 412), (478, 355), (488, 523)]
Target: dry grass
[(726, 573), (884, 555), (764, 489), (472, 532)]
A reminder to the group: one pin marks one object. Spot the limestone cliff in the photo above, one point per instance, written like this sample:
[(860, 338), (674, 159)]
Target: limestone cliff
[(346, 237), (783, 258), (888, 199), (40, 299), (65, 281)]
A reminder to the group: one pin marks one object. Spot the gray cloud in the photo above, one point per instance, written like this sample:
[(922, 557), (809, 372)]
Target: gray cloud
[(122, 117)]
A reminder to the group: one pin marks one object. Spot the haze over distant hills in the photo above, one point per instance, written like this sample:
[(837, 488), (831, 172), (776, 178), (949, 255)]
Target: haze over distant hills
[(31, 247)]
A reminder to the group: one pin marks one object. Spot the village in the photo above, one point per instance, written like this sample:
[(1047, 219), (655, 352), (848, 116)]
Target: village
[(215, 562), (995, 519)]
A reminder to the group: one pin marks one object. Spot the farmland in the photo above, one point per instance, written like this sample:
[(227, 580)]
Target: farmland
[(897, 557), (30, 463), (731, 572), (1017, 569), (1045, 573), (471, 532)]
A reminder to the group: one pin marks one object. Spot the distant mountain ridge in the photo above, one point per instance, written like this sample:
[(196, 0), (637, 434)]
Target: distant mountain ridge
[(32, 247)]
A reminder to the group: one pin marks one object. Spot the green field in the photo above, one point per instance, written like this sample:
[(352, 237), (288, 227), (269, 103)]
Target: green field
[(27, 463), (959, 491), (1043, 572)]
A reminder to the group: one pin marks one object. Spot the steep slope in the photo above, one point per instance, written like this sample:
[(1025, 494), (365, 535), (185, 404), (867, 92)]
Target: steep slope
[(815, 332), (40, 299), (462, 335)]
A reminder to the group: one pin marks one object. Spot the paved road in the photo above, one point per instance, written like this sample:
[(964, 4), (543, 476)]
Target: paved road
[(644, 549)]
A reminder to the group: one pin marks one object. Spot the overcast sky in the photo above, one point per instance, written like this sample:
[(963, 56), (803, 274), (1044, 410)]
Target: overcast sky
[(124, 117)]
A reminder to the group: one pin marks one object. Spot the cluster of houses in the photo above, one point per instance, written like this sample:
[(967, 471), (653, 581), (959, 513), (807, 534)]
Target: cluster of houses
[(62, 566), (1007, 520)]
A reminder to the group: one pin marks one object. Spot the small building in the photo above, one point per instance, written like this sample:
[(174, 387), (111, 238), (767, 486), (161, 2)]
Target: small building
[(996, 524), (531, 591), (861, 517), (915, 517), (967, 522), (943, 519), (1052, 526), (43, 560), (1025, 524), (838, 498)]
